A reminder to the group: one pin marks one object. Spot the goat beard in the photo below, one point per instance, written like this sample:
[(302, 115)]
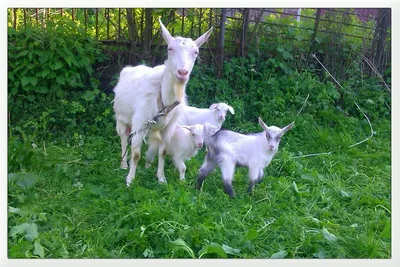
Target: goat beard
[(179, 91)]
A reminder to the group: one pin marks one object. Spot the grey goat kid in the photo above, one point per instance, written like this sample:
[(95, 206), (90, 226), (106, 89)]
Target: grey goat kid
[(229, 149)]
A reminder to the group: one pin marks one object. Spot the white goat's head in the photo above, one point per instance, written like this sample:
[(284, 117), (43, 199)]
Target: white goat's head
[(274, 134), (182, 53), (221, 109), (201, 132)]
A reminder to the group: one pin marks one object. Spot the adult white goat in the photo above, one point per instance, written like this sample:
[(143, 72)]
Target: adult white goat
[(229, 149), (214, 115), (142, 92), (185, 143)]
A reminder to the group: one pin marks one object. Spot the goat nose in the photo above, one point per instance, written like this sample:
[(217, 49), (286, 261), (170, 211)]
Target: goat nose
[(199, 145), (183, 72), (271, 147)]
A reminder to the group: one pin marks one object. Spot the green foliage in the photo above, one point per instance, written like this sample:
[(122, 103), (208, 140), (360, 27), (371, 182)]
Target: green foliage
[(67, 198), (50, 61)]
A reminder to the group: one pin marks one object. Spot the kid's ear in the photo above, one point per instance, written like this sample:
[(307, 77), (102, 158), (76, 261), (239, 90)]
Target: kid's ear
[(231, 110), (287, 128), (213, 106), (262, 124)]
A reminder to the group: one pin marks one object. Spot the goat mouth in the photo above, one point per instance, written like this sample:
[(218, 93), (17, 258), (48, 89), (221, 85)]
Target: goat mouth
[(181, 79)]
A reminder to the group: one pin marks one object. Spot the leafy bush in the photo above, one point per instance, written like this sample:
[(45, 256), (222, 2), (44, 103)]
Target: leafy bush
[(51, 74), (51, 60)]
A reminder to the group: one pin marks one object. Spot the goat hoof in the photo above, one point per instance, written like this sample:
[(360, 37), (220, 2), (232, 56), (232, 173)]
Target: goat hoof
[(123, 167), (147, 165), (162, 180), (128, 182)]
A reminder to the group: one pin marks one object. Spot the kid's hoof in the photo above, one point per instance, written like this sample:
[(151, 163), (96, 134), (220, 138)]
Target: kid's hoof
[(162, 180)]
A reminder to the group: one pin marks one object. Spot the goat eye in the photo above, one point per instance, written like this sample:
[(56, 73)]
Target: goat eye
[(196, 52), (192, 134), (170, 49)]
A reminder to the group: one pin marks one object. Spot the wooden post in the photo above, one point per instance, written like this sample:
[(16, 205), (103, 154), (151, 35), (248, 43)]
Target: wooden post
[(37, 16), (221, 44), (315, 28), (73, 14), (61, 12)]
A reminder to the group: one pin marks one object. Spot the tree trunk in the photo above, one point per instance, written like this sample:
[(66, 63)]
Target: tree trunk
[(131, 25), (148, 29)]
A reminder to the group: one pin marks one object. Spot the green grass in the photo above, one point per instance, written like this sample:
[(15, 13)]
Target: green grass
[(70, 201)]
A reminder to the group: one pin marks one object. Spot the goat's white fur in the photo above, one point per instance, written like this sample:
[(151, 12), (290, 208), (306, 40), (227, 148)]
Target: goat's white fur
[(139, 87), (228, 149), (215, 115), (184, 144)]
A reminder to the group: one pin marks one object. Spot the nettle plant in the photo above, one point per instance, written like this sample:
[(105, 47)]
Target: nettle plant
[(51, 60)]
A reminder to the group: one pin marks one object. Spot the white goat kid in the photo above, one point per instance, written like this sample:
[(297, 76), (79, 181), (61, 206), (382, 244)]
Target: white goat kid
[(215, 115), (229, 149), (138, 97), (184, 145)]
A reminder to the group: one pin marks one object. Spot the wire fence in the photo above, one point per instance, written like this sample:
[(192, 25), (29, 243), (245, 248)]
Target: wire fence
[(132, 35)]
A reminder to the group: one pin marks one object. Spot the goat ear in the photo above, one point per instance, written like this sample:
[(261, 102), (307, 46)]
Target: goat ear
[(202, 39), (210, 129), (165, 33), (287, 128), (231, 110), (262, 124), (213, 106)]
